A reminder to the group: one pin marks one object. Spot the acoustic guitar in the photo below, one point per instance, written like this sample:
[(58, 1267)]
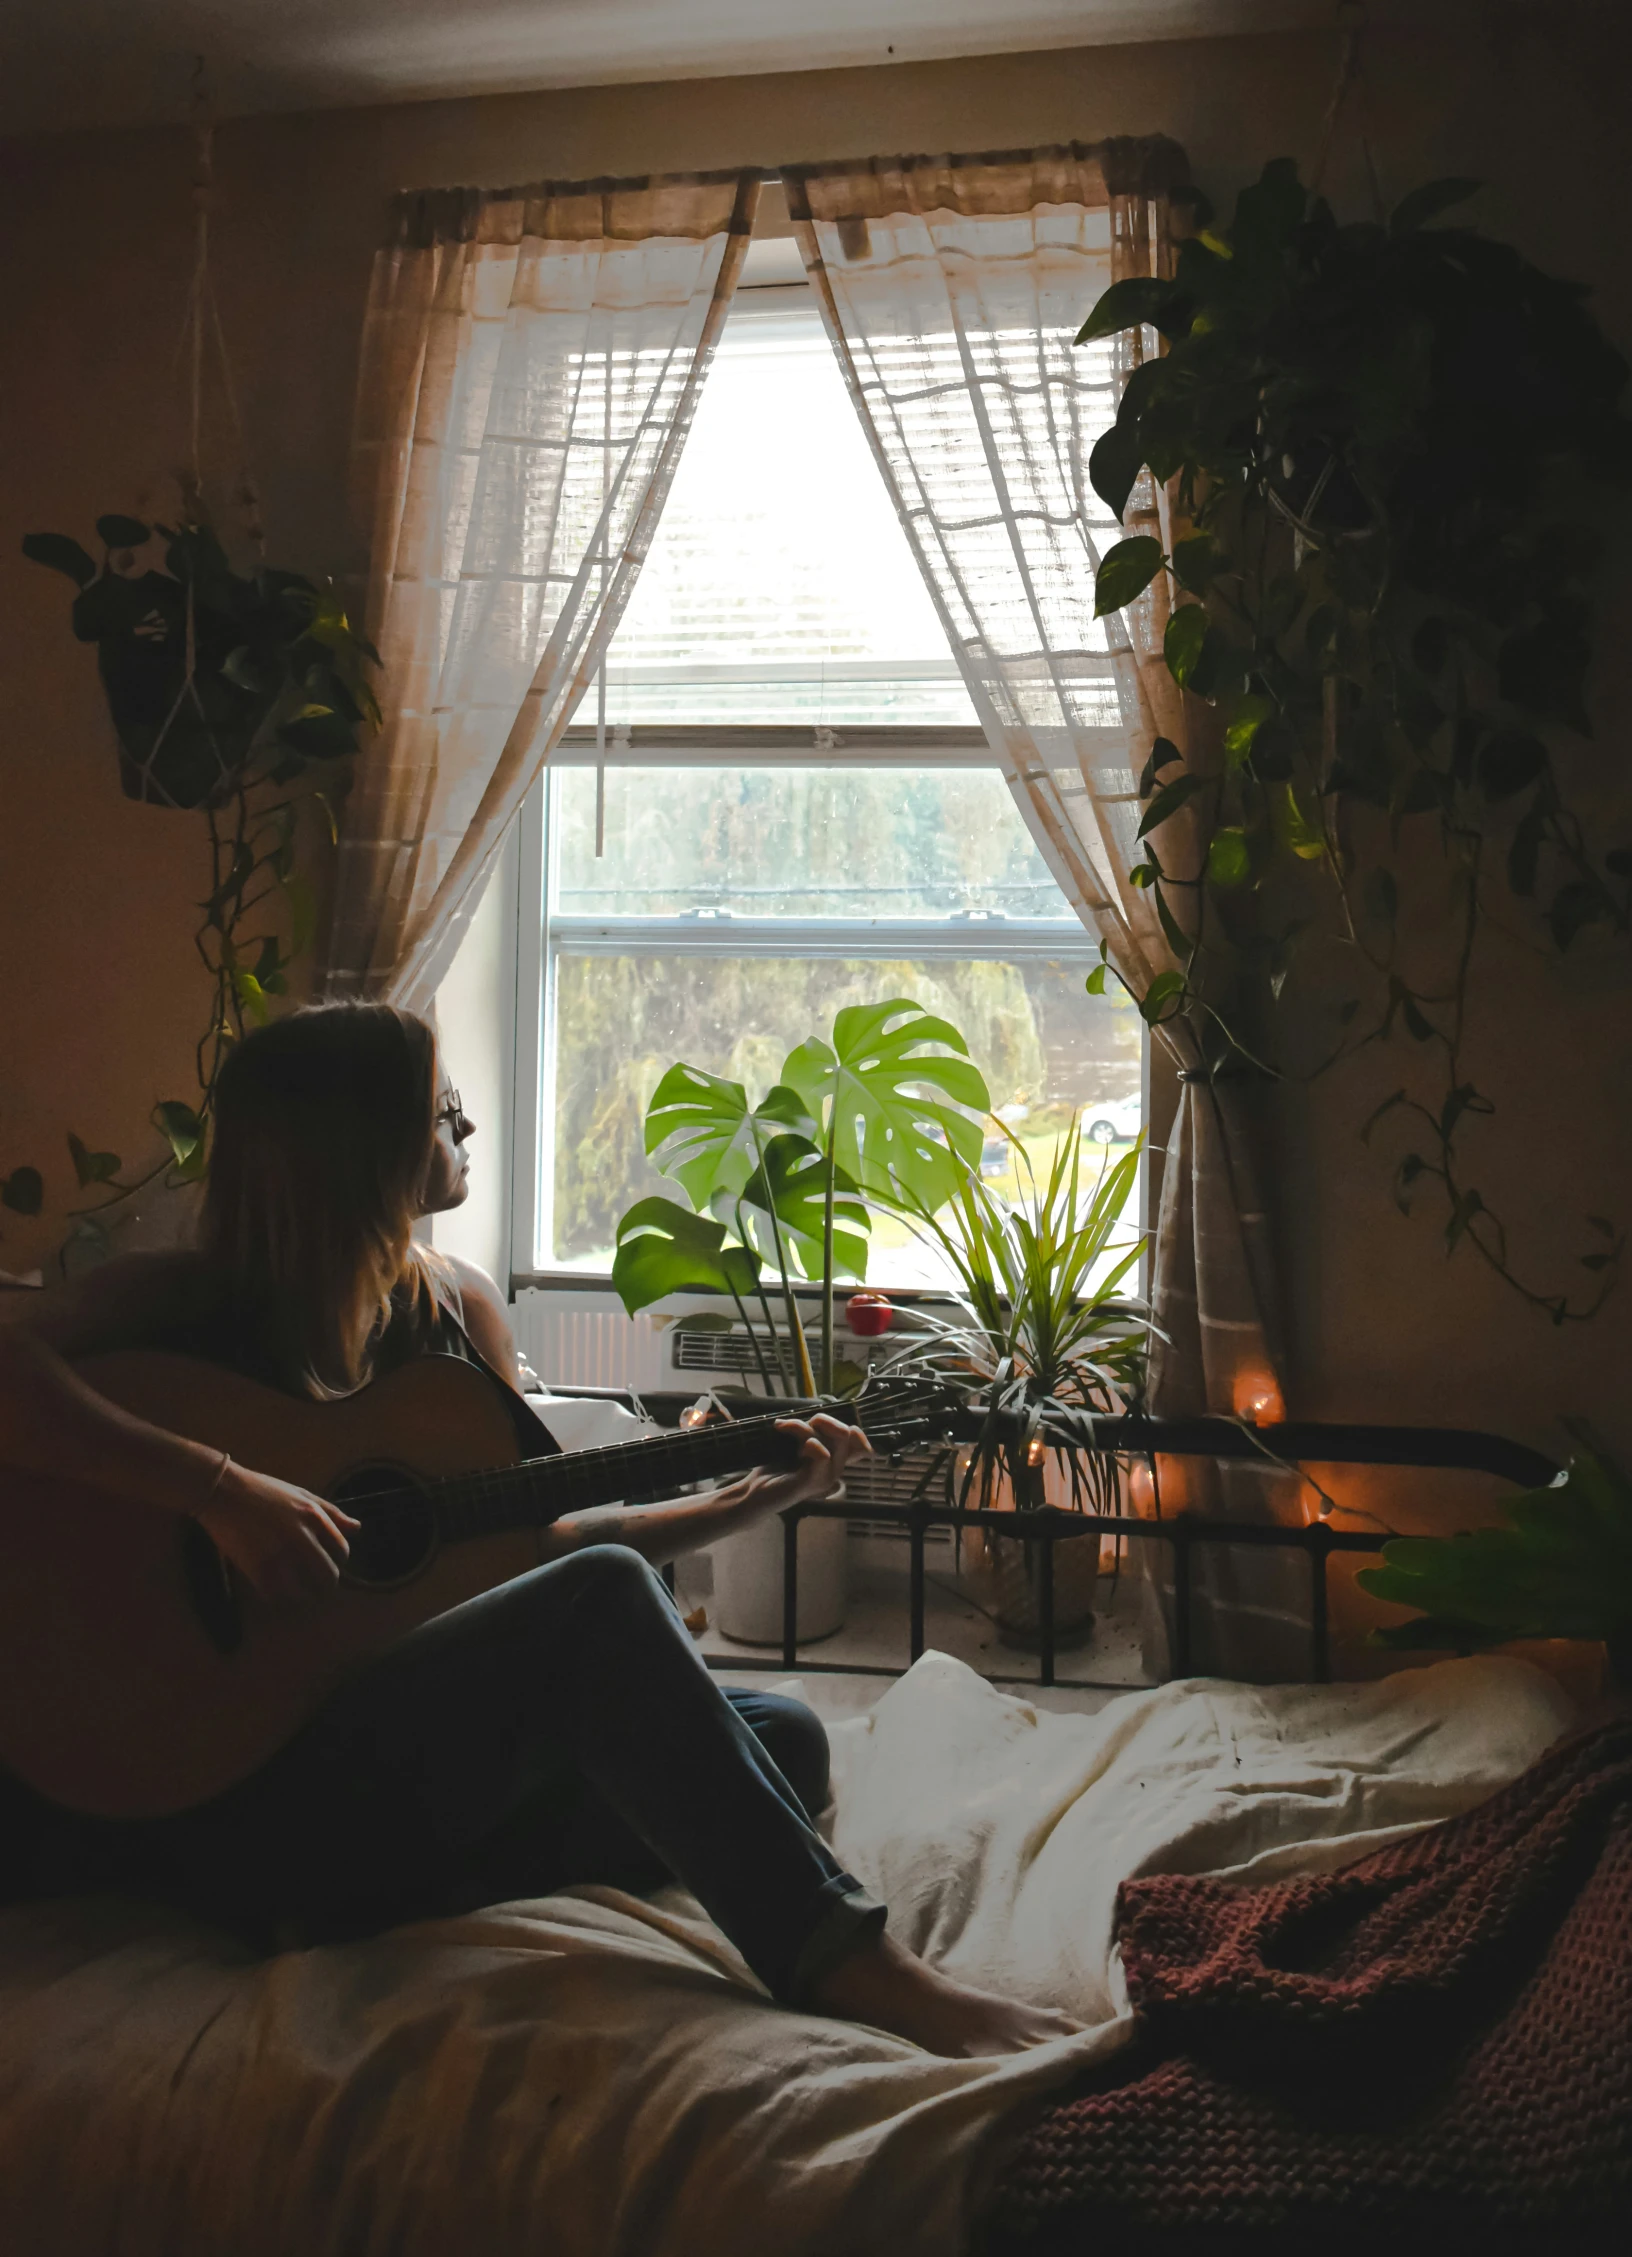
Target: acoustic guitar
[(139, 1675)]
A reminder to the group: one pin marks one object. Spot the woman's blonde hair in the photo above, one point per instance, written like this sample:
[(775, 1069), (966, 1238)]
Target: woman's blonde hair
[(324, 1127)]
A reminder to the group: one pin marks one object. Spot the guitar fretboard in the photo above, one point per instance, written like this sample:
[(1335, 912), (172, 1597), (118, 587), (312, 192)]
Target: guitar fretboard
[(541, 1490)]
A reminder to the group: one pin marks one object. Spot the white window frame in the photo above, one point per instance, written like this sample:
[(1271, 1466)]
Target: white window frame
[(967, 935), (773, 278)]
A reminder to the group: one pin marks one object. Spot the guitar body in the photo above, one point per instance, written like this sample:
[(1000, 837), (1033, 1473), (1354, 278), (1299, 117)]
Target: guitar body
[(135, 1678)]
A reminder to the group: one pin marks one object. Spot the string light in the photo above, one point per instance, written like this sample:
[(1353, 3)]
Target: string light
[(1258, 1399)]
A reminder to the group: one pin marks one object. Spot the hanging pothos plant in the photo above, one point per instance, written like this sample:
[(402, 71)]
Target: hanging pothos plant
[(1386, 447), (209, 671), (229, 693)]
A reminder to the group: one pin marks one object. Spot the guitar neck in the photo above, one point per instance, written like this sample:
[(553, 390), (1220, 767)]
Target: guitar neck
[(541, 1490)]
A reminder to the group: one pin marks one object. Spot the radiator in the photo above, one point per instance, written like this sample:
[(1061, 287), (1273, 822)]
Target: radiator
[(571, 1347)]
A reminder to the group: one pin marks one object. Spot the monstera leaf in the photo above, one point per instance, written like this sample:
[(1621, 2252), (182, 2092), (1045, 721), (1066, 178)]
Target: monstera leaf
[(1562, 1568), (664, 1248), (703, 1131), (898, 1098), (792, 1185)]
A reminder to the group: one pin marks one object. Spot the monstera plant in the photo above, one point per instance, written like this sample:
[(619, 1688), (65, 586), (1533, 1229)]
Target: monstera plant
[(886, 1113), (1390, 450)]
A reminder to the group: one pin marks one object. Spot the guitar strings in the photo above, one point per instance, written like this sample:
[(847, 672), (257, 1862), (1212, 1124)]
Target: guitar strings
[(470, 1497)]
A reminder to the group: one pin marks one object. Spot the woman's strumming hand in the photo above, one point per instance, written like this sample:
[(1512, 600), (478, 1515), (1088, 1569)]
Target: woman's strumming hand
[(285, 1542), (830, 1447)]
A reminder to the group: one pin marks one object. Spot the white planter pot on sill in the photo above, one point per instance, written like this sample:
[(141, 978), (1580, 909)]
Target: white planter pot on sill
[(748, 1580)]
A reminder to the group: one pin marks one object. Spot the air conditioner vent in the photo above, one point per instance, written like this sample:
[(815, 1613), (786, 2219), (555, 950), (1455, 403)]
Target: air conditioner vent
[(735, 1351), (717, 1351)]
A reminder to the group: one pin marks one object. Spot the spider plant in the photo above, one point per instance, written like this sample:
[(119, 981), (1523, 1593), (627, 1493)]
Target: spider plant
[(1044, 1333)]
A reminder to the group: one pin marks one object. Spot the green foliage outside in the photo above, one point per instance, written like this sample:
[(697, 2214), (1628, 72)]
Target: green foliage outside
[(799, 841), (621, 1020)]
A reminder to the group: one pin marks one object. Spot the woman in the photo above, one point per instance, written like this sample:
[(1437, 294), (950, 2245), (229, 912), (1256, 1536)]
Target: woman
[(560, 1728)]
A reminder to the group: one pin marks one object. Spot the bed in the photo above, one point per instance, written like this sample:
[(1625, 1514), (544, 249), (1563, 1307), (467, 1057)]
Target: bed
[(598, 2076)]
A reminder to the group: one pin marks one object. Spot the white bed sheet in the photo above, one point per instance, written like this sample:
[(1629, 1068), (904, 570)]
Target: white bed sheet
[(590, 2076)]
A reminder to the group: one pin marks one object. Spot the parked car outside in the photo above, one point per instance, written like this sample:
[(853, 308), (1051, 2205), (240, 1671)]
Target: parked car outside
[(1116, 1120)]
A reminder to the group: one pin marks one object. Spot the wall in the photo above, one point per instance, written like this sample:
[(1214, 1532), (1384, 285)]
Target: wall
[(101, 997)]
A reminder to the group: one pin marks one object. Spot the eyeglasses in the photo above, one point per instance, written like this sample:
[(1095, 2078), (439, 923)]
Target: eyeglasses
[(451, 1110)]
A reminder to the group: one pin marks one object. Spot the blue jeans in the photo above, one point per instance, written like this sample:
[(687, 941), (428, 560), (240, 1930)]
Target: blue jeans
[(561, 1728)]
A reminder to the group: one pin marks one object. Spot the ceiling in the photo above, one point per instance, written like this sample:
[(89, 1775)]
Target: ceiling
[(71, 63)]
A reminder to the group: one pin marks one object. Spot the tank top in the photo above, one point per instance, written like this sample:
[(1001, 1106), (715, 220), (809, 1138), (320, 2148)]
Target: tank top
[(219, 1333)]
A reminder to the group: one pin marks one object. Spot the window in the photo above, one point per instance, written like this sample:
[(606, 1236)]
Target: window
[(777, 803)]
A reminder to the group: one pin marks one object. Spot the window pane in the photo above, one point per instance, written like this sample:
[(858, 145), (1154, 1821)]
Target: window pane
[(1047, 1048), (780, 587), (798, 842)]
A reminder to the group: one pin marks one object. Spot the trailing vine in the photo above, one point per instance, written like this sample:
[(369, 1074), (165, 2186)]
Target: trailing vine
[(1384, 449), (240, 695)]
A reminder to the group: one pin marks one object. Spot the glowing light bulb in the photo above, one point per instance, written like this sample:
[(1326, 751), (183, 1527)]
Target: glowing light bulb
[(1258, 1399), (1036, 1450), (694, 1414)]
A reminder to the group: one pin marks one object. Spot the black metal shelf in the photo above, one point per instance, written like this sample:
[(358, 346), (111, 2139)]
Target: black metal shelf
[(1288, 1445)]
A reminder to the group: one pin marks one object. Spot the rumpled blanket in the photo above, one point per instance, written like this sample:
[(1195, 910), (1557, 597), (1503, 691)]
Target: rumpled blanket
[(591, 2075), (1435, 2042)]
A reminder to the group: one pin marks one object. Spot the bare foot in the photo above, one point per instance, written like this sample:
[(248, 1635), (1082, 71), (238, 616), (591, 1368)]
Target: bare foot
[(883, 1985)]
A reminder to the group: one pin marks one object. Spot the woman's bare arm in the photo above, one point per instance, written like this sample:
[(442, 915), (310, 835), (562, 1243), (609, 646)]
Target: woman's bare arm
[(287, 1542), (663, 1532), (51, 1422), (486, 1318)]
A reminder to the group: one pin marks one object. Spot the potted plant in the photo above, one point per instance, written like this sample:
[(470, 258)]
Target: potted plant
[(886, 1111), (205, 668), (1560, 1568), (228, 692), (1046, 1336)]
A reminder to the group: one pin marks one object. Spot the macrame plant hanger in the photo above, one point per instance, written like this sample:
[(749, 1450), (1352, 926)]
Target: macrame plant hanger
[(201, 332), (203, 338), (203, 345), (1349, 90)]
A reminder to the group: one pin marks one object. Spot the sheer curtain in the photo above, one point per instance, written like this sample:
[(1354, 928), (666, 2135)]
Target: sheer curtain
[(531, 361), (952, 289)]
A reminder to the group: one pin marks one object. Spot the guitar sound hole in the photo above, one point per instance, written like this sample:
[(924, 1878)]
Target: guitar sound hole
[(398, 1533)]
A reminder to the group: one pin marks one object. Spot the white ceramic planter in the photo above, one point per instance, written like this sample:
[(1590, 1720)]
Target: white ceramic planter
[(748, 1581)]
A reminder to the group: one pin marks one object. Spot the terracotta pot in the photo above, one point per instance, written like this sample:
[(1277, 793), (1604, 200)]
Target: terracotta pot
[(1003, 1575)]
